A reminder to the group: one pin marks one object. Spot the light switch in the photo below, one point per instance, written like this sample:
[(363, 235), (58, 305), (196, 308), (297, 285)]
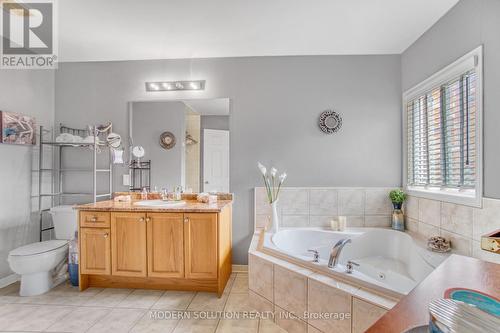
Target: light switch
[(126, 180)]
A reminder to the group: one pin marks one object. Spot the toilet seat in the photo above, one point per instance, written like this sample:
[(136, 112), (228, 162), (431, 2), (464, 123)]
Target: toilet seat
[(35, 263), (38, 248)]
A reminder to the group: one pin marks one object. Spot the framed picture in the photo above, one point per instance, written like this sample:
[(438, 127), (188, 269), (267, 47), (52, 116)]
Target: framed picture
[(17, 129)]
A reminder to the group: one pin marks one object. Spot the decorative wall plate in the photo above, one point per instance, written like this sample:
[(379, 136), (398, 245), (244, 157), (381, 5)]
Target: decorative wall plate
[(167, 140), (330, 121), (114, 140)]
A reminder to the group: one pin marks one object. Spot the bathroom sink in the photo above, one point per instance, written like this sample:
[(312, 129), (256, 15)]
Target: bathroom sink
[(159, 203)]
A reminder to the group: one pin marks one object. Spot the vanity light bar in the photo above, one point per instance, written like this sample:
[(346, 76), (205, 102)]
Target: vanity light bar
[(175, 85)]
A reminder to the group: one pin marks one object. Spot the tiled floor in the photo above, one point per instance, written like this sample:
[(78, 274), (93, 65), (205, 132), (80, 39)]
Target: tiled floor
[(65, 309)]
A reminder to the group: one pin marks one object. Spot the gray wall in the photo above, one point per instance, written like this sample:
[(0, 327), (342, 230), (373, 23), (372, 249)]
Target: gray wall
[(276, 102), (467, 25), (214, 122), (149, 121), (30, 92)]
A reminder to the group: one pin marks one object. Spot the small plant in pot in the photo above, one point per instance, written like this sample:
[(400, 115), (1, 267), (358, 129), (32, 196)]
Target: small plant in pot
[(397, 197)]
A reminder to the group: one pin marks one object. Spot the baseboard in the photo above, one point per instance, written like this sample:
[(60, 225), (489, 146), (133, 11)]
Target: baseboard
[(240, 268), (9, 279)]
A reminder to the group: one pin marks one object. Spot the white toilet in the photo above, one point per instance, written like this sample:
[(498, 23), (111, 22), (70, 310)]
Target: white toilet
[(38, 263)]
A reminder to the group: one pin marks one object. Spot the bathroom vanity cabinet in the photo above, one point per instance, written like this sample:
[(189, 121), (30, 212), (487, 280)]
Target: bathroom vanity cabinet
[(187, 248)]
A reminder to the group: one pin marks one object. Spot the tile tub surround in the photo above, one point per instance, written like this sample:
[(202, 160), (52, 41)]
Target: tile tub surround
[(462, 225), (302, 299), (65, 309), (317, 206), (371, 207)]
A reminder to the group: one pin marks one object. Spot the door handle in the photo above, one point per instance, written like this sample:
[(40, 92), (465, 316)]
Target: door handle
[(206, 181)]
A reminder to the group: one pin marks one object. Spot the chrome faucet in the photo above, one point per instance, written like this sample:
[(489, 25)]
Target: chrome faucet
[(336, 250)]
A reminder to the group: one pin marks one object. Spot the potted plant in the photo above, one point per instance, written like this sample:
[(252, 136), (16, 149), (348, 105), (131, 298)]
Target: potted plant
[(273, 184), (397, 197)]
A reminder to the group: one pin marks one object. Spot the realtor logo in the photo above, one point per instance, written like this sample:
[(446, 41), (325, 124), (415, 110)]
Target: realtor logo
[(28, 35)]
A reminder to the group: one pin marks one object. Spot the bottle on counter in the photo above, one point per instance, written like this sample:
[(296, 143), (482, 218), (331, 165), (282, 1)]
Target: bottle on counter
[(144, 194), (178, 192), (164, 194)]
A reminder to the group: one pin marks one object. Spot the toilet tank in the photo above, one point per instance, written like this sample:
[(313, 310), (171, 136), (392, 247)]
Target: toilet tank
[(65, 221)]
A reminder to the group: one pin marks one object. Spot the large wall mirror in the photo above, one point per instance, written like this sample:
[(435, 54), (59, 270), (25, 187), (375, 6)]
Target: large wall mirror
[(187, 142)]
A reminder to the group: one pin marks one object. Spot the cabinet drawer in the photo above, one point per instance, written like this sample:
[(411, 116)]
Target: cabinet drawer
[(95, 219)]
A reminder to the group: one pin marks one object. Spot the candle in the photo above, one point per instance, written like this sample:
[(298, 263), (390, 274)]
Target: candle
[(342, 223), (334, 224)]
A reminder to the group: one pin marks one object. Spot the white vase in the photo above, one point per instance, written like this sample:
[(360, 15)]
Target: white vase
[(274, 226)]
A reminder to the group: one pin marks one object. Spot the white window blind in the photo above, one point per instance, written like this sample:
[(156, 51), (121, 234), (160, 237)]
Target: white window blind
[(441, 135)]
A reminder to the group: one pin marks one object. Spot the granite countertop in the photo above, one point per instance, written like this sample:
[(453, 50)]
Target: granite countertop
[(191, 206)]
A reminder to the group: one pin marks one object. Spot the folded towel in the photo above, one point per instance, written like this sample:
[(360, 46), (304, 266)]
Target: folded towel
[(65, 137)]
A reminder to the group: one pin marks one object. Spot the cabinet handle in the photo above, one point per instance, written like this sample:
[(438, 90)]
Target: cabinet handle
[(141, 219), (106, 235), (186, 220), (93, 219), (148, 219)]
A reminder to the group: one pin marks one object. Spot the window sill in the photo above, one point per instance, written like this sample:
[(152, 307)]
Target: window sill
[(460, 197)]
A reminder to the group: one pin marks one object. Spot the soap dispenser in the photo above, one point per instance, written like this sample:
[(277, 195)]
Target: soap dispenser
[(144, 194)]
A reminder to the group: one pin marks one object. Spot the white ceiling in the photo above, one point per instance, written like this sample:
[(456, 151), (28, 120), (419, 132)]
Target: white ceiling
[(103, 30), (209, 107)]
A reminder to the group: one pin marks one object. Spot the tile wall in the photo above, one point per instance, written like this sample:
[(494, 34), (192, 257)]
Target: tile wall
[(371, 207), (462, 225), (316, 207)]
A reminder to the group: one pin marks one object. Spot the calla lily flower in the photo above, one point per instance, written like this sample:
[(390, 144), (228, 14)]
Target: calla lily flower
[(262, 169), (272, 183), (282, 177)]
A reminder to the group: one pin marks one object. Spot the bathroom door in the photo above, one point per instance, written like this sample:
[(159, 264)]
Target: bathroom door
[(215, 160)]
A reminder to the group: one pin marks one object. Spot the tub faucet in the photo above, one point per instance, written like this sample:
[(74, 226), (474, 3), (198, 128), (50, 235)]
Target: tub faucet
[(336, 250)]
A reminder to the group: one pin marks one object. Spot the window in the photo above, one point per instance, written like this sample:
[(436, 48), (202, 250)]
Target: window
[(443, 133)]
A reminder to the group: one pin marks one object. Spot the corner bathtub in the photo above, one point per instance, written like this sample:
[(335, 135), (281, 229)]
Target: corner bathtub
[(389, 260)]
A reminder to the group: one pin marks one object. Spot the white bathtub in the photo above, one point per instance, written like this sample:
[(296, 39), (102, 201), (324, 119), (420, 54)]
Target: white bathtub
[(387, 259)]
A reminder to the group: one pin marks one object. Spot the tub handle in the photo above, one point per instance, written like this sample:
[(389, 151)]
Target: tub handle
[(315, 255), (349, 267)]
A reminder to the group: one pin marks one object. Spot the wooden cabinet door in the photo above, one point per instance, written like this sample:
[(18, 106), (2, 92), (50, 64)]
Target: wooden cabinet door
[(95, 251), (165, 245), (128, 244), (200, 245)]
